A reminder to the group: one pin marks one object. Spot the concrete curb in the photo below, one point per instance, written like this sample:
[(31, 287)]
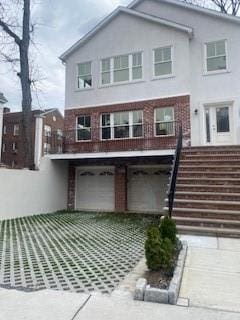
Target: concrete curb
[(144, 292)]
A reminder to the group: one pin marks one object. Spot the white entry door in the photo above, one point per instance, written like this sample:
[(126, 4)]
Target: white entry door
[(219, 125), (95, 189)]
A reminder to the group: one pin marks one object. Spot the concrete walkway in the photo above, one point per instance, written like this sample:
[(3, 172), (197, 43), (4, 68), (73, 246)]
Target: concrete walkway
[(212, 273), (211, 283)]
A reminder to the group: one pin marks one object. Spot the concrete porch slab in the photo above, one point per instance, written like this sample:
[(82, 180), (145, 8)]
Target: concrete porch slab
[(200, 241)]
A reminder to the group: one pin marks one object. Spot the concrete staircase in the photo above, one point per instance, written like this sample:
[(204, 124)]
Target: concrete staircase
[(207, 198)]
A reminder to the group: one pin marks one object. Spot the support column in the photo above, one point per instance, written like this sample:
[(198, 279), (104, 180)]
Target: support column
[(120, 188), (1, 131), (71, 187), (38, 145)]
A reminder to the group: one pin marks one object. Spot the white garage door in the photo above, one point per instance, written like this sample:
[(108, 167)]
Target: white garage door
[(147, 189), (95, 189)]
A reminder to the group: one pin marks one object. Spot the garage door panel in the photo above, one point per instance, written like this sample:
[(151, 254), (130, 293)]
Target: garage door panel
[(95, 189), (147, 189)]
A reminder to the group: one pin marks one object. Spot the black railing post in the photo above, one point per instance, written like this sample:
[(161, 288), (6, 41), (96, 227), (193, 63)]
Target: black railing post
[(173, 178)]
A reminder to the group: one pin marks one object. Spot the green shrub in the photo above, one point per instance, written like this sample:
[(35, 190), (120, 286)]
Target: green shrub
[(168, 229), (159, 252), (153, 250)]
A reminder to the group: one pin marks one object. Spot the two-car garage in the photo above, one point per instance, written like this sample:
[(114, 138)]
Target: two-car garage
[(146, 188)]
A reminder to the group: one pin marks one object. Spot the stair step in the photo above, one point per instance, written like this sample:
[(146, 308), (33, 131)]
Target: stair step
[(206, 213), (208, 188), (210, 168), (208, 174), (205, 222), (209, 231), (210, 162), (227, 156), (205, 180), (207, 195), (207, 204)]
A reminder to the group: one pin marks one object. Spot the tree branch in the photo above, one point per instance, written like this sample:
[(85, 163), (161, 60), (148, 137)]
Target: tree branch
[(10, 32)]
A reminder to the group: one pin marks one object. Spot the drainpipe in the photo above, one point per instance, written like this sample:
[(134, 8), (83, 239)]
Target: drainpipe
[(38, 140)]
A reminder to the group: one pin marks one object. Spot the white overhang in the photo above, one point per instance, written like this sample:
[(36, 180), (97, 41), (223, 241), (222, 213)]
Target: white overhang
[(114, 154)]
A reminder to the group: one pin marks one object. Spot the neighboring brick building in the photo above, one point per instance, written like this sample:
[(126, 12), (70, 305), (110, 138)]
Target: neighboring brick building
[(48, 124)]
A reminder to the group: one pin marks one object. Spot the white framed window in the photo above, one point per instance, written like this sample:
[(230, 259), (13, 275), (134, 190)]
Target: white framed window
[(16, 129), (47, 131), (4, 147), (122, 125), (124, 68), (84, 128), (216, 56), (84, 75), (14, 146), (59, 134), (4, 129), (162, 61), (164, 121), (46, 148)]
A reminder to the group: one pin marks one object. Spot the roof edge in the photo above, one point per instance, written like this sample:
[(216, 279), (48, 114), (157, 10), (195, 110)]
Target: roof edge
[(110, 17), (193, 7)]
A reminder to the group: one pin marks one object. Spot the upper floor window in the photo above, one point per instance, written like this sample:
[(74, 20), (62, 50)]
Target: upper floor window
[(4, 147), (216, 56), (120, 125), (4, 129), (83, 128), (164, 121), (59, 134), (47, 131), (84, 75), (14, 146), (162, 61), (16, 130), (121, 68)]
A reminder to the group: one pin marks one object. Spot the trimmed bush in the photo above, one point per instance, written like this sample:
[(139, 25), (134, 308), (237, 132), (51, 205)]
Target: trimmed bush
[(168, 229), (168, 250), (153, 251)]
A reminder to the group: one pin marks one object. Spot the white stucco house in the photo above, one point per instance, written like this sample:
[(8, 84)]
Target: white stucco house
[(131, 82)]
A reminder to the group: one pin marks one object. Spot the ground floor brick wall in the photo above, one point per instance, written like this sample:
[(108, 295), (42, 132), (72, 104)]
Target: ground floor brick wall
[(71, 187), (181, 105), (121, 188)]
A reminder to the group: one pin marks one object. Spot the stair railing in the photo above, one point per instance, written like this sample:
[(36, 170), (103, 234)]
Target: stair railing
[(173, 178)]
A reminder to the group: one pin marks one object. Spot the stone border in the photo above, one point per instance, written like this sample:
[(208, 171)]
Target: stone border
[(144, 292)]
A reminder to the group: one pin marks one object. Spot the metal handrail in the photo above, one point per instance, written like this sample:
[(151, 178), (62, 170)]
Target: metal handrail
[(173, 178)]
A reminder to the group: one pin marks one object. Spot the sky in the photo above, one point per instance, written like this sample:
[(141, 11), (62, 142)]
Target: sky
[(60, 24)]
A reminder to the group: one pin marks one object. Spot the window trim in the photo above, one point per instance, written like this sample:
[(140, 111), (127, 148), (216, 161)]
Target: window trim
[(76, 130), (130, 67), (77, 75), (164, 76), (205, 71), (155, 122), (112, 126)]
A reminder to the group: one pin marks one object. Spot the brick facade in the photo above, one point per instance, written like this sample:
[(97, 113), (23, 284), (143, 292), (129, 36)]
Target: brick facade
[(181, 105), (71, 187), (121, 188)]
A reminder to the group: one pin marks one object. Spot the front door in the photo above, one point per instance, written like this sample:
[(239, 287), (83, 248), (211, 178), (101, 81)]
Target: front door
[(219, 125)]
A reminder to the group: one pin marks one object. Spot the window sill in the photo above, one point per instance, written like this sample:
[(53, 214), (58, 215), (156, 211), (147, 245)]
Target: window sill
[(84, 89), (167, 76), (120, 83), (210, 73)]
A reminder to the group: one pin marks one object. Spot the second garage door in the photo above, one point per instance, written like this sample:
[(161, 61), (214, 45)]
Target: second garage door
[(95, 189), (147, 189)]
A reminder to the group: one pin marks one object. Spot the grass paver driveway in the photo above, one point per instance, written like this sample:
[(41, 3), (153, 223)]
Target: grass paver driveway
[(80, 252)]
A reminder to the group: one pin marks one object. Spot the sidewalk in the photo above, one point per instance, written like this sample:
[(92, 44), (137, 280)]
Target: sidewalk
[(211, 282)]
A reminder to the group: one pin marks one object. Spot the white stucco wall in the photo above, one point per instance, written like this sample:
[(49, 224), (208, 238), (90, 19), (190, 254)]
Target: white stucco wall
[(206, 88), (25, 192), (125, 35)]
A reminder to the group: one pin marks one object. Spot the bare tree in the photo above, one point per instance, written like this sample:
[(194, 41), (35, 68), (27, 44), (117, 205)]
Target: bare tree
[(225, 6), (228, 6), (20, 34)]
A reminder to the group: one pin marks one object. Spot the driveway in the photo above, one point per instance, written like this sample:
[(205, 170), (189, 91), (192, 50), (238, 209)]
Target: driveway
[(79, 252)]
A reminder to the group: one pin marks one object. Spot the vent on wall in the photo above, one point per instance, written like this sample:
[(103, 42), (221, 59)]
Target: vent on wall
[(87, 173), (106, 173)]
